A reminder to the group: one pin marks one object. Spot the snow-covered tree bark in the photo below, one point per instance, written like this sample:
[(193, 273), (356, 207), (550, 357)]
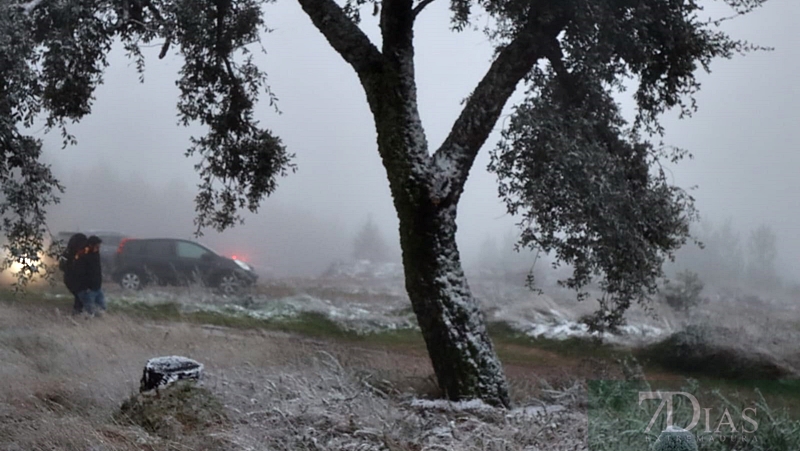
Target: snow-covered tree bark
[(450, 318)]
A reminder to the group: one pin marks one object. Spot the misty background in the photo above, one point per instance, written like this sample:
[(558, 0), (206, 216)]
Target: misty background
[(128, 171)]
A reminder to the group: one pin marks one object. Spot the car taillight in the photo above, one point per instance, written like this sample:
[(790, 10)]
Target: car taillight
[(121, 245)]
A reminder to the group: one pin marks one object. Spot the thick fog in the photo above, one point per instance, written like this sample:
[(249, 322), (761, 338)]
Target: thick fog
[(129, 173)]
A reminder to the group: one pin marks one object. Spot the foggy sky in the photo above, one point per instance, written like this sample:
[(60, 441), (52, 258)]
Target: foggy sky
[(744, 140)]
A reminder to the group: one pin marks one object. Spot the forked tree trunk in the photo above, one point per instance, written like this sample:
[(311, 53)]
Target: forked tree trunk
[(426, 188), (450, 318)]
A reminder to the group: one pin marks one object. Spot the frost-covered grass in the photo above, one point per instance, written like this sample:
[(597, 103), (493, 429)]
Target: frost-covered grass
[(279, 392), (352, 372), (365, 306)]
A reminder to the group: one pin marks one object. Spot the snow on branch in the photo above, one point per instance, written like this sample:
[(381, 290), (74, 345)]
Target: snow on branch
[(342, 33), (482, 110)]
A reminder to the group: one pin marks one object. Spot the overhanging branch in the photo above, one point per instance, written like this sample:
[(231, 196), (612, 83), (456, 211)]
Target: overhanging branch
[(555, 55), (418, 9), (342, 34), (165, 48), (469, 132)]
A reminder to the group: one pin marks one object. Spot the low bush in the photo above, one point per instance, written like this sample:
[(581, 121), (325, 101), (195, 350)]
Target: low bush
[(683, 294)]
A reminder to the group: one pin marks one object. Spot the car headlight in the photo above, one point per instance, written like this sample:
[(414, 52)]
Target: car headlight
[(243, 265), (18, 264)]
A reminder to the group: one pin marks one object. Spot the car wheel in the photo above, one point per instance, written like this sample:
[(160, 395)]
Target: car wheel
[(229, 284), (131, 281)]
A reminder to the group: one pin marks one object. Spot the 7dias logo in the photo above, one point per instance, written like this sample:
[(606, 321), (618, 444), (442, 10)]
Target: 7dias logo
[(726, 419)]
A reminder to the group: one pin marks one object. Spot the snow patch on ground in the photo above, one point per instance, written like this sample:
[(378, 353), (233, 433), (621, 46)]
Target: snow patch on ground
[(359, 317), (441, 404), (363, 314), (541, 318), (564, 328), (365, 297)]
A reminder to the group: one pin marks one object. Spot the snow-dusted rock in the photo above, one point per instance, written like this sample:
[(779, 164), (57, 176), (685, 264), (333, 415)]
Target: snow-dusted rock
[(159, 372), (675, 439)]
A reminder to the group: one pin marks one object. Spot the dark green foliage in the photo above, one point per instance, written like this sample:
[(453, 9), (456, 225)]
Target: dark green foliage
[(52, 57), (353, 8), (27, 187), (587, 184), (220, 93)]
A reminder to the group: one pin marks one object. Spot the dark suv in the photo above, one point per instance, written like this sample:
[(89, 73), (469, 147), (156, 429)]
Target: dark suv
[(169, 261)]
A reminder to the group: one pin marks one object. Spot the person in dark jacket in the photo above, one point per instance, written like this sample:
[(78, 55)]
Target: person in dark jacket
[(90, 276), (67, 263)]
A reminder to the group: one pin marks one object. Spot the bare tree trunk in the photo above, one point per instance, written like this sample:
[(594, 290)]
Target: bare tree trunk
[(450, 318)]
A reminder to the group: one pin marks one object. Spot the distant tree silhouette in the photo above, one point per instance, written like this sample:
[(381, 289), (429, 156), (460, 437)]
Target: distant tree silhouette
[(369, 244), (762, 254), (720, 260)]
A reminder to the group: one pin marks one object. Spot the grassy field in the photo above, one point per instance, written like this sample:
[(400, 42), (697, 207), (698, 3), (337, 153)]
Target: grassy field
[(304, 382)]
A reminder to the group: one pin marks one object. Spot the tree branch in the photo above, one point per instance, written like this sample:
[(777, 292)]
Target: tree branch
[(397, 31), (388, 80), (165, 48), (397, 23), (555, 55), (342, 34), (418, 9), (455, 156)]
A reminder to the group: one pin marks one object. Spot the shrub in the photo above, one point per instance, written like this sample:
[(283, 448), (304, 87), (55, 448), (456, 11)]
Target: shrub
[(684, 293)]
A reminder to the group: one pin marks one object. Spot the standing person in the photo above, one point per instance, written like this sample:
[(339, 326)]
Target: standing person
[(67, 264), (90, 273)]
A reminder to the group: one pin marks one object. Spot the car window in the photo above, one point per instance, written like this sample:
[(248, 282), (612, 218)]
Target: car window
[(190, 250), (160, 248)]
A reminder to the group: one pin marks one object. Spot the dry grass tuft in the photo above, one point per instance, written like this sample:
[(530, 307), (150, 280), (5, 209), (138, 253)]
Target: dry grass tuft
[(177, 412)]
